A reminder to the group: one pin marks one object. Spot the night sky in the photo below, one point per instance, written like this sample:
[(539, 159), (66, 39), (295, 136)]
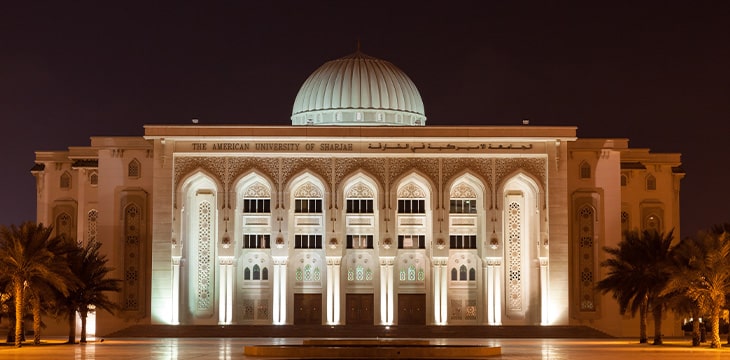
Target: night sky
[(657, 73)]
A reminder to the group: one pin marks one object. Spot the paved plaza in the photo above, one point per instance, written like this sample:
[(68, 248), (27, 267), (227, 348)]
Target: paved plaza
[(232, 348)]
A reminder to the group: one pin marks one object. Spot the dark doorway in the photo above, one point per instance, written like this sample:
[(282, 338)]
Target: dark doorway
[(307, 309), (359, 309), (411, 309)]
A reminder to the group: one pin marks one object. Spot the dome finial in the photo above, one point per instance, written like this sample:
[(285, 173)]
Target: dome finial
[(358, 46)]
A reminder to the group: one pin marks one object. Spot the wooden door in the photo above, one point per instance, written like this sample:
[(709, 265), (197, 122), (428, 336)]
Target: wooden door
[(307, 309), (359, 309), (411, 309)]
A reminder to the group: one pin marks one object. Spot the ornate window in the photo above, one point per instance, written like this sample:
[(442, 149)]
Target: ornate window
[(91, 219), (412, 273), (134, 169), (94, 178), (359, 273), (132, 225), (624, 223), (65, 181), (256, 273), (514, 236), (586, 245), (624, 179), (650, 182), (585, 170)]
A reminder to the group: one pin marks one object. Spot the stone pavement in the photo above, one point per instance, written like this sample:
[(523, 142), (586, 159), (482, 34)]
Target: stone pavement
[(232, 348)]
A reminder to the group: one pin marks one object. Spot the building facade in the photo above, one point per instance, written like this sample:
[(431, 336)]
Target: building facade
[(358, 213)]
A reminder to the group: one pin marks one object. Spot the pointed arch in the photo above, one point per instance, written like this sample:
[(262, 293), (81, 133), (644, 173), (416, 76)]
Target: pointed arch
[(200, 222), (521, 211), (414, 208), (307, 206)]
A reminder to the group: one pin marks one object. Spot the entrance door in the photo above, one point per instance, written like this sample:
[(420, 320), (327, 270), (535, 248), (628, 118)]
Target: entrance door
[(411, 309), (359, 309), (307, 309)]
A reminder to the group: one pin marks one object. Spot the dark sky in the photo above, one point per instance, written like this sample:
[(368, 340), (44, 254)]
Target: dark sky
[(657, 73)]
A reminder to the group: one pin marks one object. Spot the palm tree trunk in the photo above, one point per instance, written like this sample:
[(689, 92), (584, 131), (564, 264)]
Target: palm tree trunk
[(71, 326), (657, 313), (83, 315), (715, 324), (696, 334), (18, 290), (36, 304), (642, 322)]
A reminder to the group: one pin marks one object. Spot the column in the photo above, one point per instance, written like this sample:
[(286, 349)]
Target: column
[(488, 292), (333, 290), (336, 291), (444, 291), (329, 307), (391, 293), (384, 293), (225, 284), (386, 290), (436, 279), (493, 284), (175, 290), (544, 296), (278, 311)]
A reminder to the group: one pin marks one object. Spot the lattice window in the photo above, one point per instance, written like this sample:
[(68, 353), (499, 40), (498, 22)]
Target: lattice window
[(456, 309), (625, 226), (471, 310), (94, 178), (586, 221), (64, 225), (514, 232), (624, 180), (134, 169), (132, 258), (205, 256), (91, 221)]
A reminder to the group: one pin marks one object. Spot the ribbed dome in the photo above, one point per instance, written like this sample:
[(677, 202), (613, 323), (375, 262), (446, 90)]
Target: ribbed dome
[(358, 90)]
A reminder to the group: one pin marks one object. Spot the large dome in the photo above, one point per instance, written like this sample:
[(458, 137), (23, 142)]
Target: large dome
[(358, 90)]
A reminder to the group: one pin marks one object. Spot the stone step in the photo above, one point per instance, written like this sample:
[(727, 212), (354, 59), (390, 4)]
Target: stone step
[(358, 331)]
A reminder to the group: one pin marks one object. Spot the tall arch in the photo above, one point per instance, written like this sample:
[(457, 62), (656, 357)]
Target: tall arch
[(521, 210), (200, 192), (253, 228)]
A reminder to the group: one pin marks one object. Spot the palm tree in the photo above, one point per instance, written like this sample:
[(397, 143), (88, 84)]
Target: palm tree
[(704, 275), (90, 268), (637, 272), (28, 261)]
